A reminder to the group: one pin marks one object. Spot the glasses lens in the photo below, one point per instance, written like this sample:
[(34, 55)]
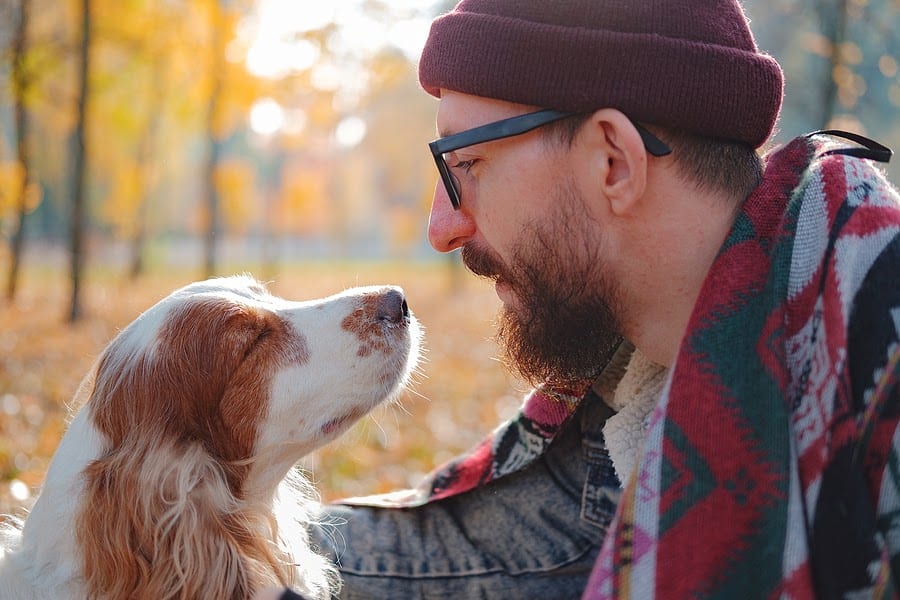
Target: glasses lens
[(451, 185), (453, 182)]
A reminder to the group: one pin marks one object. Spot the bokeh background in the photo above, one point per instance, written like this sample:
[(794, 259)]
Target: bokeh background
[(148, 143)]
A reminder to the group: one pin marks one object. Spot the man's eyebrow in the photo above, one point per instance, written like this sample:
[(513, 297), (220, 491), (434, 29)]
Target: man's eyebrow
[(446, 132), (448, 129)]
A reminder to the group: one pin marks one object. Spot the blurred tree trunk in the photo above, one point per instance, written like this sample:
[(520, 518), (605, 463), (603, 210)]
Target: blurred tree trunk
[(20, 84), (79, 163), (833, 20), (212, 206), (213, 148), (137, 264), (146, 167)]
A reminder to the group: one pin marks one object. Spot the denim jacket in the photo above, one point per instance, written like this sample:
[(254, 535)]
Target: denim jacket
[(533, 532)]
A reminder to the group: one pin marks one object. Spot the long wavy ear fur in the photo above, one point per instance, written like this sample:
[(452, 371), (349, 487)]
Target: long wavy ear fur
[(162, 514), (164, 524)]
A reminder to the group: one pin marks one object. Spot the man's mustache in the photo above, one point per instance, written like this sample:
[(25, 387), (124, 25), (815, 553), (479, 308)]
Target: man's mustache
[(483, 262)]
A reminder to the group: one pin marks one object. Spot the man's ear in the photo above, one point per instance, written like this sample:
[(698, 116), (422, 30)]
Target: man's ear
[(618, 159)]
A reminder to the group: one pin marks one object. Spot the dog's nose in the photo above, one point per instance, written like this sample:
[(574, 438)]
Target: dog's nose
[(392, 307)]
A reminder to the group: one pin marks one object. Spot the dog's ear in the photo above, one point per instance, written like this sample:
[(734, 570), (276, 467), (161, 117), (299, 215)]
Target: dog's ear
[(171, 380), (162, 523), (162, 512)]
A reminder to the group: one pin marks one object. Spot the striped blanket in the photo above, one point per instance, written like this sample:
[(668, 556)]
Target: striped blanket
[(772, 464)]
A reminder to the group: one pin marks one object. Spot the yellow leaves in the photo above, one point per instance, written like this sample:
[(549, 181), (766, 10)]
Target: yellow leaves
[(320, 111), (122, 206), (127, 18), (165, 77), (302, 205), (389, 70), (234, 182), (227, 87), (236, 92), (12, 179), (12, 182), (405, 228)]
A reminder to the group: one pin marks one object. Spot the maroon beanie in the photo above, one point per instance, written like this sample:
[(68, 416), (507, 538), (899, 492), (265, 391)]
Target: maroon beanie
[(689, 64)]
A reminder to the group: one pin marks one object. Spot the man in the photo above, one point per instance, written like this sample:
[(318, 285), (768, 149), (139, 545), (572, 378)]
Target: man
[(714, 338)]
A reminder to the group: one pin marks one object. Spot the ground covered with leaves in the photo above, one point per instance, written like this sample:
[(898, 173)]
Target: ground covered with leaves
[(459, 393)]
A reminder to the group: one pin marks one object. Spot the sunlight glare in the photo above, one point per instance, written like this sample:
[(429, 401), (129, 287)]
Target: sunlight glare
[(272, 58), (274, 51), (350, 131), (266, 117), (326, 77), (19, 490), (276, 48), (410, 35), (294, 122), (359, 33)]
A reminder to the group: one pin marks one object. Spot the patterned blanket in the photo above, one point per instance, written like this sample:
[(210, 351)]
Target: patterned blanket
[(509, 448), (772, 464)]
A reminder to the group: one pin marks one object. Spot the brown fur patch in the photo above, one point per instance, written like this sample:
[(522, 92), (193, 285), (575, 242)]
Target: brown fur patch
[(206, 378), (203, 383), (367, 327)]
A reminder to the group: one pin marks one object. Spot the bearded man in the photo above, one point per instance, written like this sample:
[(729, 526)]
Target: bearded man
[(712, 334)]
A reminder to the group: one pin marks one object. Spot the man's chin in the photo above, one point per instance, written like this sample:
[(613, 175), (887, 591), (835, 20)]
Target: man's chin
[(505, 292), (560, 352)]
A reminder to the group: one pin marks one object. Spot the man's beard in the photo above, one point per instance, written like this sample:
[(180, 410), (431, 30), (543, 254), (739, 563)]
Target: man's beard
[(564, 328)]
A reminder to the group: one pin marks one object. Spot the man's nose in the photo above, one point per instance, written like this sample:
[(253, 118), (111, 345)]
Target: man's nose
[(448, 229)]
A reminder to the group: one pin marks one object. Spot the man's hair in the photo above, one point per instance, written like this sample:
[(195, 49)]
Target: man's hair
[(728, 166), (714, 164)]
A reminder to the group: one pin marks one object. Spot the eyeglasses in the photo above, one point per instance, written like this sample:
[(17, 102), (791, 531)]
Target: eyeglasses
[(510, 127)]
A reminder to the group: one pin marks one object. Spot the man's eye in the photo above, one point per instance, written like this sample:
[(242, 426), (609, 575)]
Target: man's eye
[(465, 165)]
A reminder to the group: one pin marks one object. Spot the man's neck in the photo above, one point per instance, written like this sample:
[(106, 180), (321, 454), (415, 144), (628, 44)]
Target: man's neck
[(686, 228)]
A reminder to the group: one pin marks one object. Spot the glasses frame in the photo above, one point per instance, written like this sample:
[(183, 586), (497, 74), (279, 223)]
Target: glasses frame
[(511, 127)]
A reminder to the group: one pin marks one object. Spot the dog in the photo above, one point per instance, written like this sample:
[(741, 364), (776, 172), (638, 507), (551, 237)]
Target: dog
[(169, 478)]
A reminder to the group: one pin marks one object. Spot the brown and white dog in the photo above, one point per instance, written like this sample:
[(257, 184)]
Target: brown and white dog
[(168, 480)]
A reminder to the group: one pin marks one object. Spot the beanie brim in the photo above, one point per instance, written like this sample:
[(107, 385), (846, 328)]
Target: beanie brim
[(711, 90)]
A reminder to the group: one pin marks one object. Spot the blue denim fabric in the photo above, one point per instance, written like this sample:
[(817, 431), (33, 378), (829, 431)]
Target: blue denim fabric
[(532, 534)]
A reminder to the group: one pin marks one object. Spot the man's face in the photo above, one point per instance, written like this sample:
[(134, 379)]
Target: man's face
[(561, 325), (523, 224)]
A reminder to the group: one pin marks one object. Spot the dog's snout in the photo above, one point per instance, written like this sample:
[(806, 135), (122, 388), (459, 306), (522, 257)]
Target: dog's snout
[(392, 307)]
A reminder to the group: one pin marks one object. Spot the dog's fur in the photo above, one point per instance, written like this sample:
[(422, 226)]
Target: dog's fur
[(168, 480)]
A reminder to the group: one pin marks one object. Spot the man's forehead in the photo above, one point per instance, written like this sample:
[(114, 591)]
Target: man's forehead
[(458, 111)]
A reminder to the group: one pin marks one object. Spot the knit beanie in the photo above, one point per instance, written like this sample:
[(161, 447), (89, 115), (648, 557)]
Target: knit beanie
[(688, 64)]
